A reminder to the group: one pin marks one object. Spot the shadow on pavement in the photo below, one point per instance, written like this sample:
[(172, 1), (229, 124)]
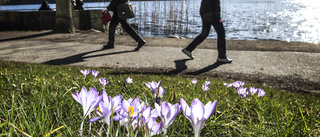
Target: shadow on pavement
[(80, 57), (206, 69), (28, 36), (180, 66)]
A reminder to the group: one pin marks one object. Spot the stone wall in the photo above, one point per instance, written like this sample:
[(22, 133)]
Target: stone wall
[(45, 20)]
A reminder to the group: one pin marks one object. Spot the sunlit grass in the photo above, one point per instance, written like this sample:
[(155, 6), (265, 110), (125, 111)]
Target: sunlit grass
[(36, 101)]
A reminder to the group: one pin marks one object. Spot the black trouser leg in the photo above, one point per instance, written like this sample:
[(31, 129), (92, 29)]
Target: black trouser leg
[(201, 37), (112, 28), (221, 40), (130, 30)]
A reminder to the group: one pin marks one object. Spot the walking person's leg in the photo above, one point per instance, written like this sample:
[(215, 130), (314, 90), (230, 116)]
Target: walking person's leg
[(127, 27), (112, 29), (206, 25), (221, 40)]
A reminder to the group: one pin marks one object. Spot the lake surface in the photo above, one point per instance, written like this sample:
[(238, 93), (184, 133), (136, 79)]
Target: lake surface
[(283, 20)]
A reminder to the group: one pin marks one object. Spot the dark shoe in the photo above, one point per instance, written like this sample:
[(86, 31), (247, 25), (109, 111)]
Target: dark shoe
[(110, 45), (140, 44)]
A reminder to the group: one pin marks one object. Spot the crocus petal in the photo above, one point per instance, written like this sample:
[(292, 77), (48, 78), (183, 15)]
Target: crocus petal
[(124, 122), (175, 110), (105, 96), (116, 102), (197, 109), (117, 118), (207, 83), (125, 105), (253, 90), (194, 81), (129, 80), (94, 119), (154, 113), (157, 108), (184, 106), (261, 93), (166, 110), (210, 109), (76, 97)]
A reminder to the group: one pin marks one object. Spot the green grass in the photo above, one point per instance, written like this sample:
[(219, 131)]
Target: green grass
[(36, 100)]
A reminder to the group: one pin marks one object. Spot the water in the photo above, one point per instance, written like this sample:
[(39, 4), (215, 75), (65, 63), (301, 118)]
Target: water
[(283, 20)]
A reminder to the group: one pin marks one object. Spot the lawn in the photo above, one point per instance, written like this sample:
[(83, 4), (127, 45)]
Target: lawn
[(36, 100)]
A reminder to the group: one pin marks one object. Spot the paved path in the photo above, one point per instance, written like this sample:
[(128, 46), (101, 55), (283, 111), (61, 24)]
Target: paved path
[(297, 71)]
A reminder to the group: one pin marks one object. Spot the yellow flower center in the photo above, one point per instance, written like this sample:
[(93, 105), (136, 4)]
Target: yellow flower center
[(130, 110), (155, 123), (99, 109)]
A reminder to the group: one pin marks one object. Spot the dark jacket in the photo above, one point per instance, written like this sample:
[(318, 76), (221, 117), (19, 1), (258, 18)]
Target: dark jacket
[(112, 6), (45, 6), (211, 6)]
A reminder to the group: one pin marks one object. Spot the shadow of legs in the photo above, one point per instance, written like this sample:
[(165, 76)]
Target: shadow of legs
[(180, 66), (206, 69)]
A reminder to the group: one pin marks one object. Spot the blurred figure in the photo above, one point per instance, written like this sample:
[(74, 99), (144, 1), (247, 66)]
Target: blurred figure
[(79, 5), (73, 4), (45, 6), (210, 15), (105, 18), (127, 27)]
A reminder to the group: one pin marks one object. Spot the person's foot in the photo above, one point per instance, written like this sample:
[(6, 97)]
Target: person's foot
[(140, 44), (224, 60), (188, 53), (108, 46)]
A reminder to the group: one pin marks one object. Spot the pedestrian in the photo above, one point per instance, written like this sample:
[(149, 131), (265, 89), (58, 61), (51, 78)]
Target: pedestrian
[(105, 18), (210, 15), (79, 5), (45, 6), (73, 4), (127, 27)]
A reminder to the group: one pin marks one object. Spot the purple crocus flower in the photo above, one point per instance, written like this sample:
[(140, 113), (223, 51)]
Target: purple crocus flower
[(130, 109), (153, 126), (207, 83), (194, 81), (242, 92), (129, 113), (89, 100), (133, 108), (238, 84), (103, 81), (106, 108), (168, 113), (129, 80), (85, 72), (261, 92), (205, 87), (95, 73), (149, 121), (253, 90), (156, 88), (197, 114), (228, 85)]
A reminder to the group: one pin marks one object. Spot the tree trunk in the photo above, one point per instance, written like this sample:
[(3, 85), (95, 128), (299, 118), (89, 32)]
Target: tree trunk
[(64, 21)]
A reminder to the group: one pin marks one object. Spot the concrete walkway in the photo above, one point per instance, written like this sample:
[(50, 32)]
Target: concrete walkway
[(293, 71)]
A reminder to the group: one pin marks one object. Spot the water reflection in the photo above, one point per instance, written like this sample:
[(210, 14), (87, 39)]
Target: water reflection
[(285, 20)]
